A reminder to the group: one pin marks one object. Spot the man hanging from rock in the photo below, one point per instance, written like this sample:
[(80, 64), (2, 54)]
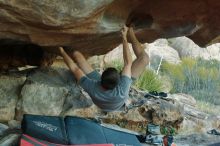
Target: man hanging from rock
[(110, 90)]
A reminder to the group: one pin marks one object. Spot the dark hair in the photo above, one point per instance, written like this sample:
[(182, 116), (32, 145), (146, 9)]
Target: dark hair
[(110, 78)]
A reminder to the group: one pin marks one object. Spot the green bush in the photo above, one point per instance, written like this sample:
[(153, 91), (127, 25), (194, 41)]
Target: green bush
[(149, 81), (176, 75), (197, 77)]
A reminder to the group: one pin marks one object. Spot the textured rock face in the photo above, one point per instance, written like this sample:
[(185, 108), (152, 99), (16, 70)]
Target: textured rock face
[(93, 27), (61, 93), (9, 93)]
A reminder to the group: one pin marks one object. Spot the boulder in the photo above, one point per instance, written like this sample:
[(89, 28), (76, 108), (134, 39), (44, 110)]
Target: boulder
[(198, 121), (214, 51), (195, 121), (10, 87), (94, 27), (49, 92), (36, 101), (160, 51), (184, 99), (163, 112), (82, 22), (187, 48)]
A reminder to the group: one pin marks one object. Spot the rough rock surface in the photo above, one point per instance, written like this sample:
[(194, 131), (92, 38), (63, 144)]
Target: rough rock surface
[(49, 92), (98, 22), (10, 86), (184, 99), (195, 120), (93, 27)]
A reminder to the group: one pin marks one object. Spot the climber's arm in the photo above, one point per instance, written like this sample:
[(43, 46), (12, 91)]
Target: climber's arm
[(126, 54)]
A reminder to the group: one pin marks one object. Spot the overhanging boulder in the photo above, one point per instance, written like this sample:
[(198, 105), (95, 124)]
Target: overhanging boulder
[(93, 27)]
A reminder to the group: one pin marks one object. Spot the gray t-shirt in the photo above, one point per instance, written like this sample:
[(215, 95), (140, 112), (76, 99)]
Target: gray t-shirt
[(107, 100)]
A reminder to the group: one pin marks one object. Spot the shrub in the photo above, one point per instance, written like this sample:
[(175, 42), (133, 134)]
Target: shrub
[(149, 81), (175, 73), (200, 78)]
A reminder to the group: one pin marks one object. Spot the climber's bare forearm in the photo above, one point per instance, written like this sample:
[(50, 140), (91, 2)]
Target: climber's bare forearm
[(126, 52)]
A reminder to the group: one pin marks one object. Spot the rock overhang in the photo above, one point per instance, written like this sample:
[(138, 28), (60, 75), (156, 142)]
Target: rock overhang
[(93, 27)]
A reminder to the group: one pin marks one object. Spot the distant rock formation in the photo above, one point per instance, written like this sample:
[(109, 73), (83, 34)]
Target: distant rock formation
[(169, 50), (158, 51), (187, 48)]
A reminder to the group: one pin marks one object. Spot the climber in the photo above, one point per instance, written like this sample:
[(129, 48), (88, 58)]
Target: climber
[(109, 91)]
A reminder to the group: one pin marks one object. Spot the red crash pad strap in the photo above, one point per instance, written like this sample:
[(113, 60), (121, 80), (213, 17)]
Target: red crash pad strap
[(30, 141)]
